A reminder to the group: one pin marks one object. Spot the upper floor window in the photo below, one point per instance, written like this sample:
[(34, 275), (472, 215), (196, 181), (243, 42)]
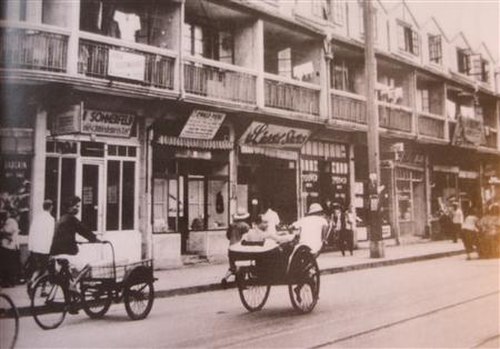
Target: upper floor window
[(408, 39), (208, 42), (485, 67), (285, 62), (321, 9), (423, 101), (435, 49), (463, 60), (342, 75), (338, 11)]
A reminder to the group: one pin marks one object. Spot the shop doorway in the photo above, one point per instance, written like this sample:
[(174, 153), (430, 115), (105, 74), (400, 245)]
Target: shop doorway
[(92, 195)]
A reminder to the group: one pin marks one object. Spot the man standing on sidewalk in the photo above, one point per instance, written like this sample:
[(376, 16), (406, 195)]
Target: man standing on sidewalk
[(457, 220), (40, 239)]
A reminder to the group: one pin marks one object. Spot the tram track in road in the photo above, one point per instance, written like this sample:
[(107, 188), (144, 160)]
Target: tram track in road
[(247, 342)]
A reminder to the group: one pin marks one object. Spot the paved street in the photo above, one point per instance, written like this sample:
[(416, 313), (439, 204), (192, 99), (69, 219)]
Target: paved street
[(446, 302)]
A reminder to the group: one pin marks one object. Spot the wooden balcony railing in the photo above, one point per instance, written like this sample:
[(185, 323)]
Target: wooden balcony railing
[(288, 94), (394, 117), (431, 125), (348, 107), (214, 79), (40, 47), (109, 58)]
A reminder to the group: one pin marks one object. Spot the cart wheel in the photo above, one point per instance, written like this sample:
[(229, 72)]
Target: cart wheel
[(48, 302), (252, 295), (96, 300), (9, 322), (138, 298), (304, 286)]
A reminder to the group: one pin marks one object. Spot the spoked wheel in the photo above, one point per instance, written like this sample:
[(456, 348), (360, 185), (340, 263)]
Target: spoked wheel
[(9, 322), (138, 298), (252, 295), (304, 285), (96, 300), (48, 302)]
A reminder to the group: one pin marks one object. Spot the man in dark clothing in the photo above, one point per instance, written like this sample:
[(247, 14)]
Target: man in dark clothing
[(66, 229), (340, 223)]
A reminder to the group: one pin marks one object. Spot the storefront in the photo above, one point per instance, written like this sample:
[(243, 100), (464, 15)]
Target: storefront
[(93, 151), (191, 181), (268, 168)]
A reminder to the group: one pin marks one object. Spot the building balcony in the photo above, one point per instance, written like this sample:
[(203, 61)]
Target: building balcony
[(219, 81), (431, 125), (30, 47), (491, 139), (395, 117), (348, 107), (291, 95)]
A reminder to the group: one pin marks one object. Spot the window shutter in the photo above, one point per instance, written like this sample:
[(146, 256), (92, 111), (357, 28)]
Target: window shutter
[(415, 43), (475, 65), (401, 37)]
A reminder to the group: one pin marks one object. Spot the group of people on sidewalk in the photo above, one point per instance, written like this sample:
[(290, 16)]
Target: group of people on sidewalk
[(478, 233), (320, 226), (46, 237)]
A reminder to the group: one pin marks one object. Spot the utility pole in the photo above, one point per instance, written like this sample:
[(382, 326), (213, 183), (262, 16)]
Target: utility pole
[(374, 216)]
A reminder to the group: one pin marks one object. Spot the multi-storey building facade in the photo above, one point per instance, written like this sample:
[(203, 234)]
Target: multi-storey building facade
[(165, 116)]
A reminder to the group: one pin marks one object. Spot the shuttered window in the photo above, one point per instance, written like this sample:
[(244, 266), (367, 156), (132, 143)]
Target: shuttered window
[(435, 49), (408, 39)]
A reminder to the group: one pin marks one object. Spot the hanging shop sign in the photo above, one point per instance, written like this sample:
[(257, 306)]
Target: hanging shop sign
[(67, 120), (264, 134), (107, 123), (469, 132), (126, 65), (202, 124)]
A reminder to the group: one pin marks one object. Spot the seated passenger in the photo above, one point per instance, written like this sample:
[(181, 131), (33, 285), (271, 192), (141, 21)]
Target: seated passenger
[(260, 232)]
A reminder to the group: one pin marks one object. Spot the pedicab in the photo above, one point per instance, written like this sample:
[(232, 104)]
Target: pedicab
[(262, 264)]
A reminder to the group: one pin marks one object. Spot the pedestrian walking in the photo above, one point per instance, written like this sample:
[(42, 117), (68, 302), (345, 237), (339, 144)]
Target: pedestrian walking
[(341, 226), (457, 219), (9, 250), (272, 217), (470, 232), (40, 239), (234, 233)]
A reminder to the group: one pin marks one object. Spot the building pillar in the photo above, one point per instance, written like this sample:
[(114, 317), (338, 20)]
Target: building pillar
[(233, 177), (38, 163), (324, 96), (258, 51), (352, 194), (413, 103), (445, 114), (73, 13), (428, 194)]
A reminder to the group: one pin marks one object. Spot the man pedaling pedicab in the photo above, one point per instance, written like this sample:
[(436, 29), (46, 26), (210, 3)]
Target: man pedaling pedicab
[(64, 245)]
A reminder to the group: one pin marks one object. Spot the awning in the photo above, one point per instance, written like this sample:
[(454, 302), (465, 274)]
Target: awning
[(194, 143)]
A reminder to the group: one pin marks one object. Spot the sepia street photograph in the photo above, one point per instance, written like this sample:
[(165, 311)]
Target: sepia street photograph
[(249, 174)]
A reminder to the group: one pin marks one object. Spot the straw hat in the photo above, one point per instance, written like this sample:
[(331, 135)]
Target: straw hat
[(241, 214)]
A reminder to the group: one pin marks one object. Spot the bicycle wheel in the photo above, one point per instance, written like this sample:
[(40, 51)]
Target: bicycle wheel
[(9, 322), (96, 300), (138, 298), (48, 302), (304, 285), (253, 296)]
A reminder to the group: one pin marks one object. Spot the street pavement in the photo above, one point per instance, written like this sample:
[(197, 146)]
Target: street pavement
[(447, 302)]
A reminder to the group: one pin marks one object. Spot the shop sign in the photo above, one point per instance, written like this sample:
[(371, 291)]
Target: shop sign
[(202, 124), (107, 123), (469, 132), (264, 134), (67, 120), (193, 154), (126, 65)]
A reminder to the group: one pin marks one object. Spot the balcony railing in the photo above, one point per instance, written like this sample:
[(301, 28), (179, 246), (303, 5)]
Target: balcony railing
[(24, 46), (431, 125), (491, 140), (288, 94), (394, 117), (113, 59), (348, 107), (217, 80)]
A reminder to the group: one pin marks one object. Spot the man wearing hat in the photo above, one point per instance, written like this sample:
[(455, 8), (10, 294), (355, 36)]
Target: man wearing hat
[(234, 233), (313, 228)]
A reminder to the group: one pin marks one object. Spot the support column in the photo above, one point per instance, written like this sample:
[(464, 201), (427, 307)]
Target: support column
[(38, 163), (73, 13), (324, 96), (258, 51), (428, 194), (445, 114), (413, 103)]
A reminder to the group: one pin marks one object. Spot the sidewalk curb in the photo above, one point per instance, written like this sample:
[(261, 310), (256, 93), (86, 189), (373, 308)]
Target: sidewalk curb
[(185, 291)]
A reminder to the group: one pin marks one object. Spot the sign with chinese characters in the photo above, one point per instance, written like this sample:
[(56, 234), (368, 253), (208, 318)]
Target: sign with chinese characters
[(107, 123), (126, 65), (264, 134), (67, 120), (202, 124)]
